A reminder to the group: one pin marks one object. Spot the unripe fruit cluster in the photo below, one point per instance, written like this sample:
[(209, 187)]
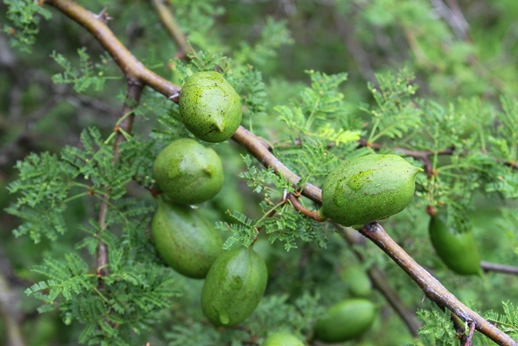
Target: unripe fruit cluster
[(186, 173)]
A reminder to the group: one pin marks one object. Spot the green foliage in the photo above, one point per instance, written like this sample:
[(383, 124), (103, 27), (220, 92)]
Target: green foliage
[(508, 320), (396, 114), (25, 16), (416, 85), (438, 328), (273, 35), (138, 285), (83, 77)]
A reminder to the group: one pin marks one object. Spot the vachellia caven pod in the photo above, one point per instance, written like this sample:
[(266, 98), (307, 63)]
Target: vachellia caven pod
[(357, 280), (458, 250), (210, 107), (368, 188), (185, 239), (345, 320), (282, 339), (233, 287), (188, 172)]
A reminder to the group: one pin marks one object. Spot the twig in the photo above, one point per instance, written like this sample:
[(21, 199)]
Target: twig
[(172, 28), (300, 208), (433, 289), (470, 336), (392, 297), (423, 156), (499, 268), (129, 65), (345, 29), (9, 315), (454, 17), (255, 146), (133, 94), (377, 278)]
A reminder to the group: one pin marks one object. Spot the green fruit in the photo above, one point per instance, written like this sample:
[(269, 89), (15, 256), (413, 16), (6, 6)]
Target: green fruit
[(357, 281), (368, 188), (185, 239), (210, 107), (187, 172), (233, 287), (458, 250), (345, 321), (282, 339)]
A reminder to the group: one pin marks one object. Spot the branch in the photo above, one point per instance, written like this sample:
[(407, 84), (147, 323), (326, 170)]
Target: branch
[(303, 210), (499, 268), (14, 334), (433, 289), (379, 282), (129, 65), (133, 94), (256, 146), (172, 28), (10, 316)]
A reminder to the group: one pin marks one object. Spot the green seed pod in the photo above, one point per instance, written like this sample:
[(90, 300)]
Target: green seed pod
[(233, 287), (345, 321), (458, 250), (185, 239), (282, 339), (368, 188), (210, 107), (357, 281), (187, 172)]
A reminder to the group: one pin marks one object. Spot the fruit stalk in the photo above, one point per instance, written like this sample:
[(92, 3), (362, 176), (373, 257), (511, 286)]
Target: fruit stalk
[(433, 289)]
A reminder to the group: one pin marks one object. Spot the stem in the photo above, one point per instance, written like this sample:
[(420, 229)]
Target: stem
[(133, 94), (172, 28), (499, 268), (300, 208), (256, 147), (377, 278), (129, 65), (8, 314), (433, 289)]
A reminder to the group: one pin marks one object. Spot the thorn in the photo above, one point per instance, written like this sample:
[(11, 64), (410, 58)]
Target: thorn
[(174, 96), (103, 16)]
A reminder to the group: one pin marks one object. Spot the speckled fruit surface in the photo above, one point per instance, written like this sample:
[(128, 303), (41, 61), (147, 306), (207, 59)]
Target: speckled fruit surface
[(188, 172), (185, 239), (233, 287), (368, 188), (210, 107)]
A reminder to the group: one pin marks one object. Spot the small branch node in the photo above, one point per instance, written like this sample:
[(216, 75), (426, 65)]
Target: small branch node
[(103, 16), (471, 333), (300, 208)]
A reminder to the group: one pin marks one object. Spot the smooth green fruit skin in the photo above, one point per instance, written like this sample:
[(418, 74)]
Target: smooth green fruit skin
[(345, 320), (210, 107), (188, 172), (457, 250), (185, 239), (233, 287), (282, 339), (357, 281), (368, 188)]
